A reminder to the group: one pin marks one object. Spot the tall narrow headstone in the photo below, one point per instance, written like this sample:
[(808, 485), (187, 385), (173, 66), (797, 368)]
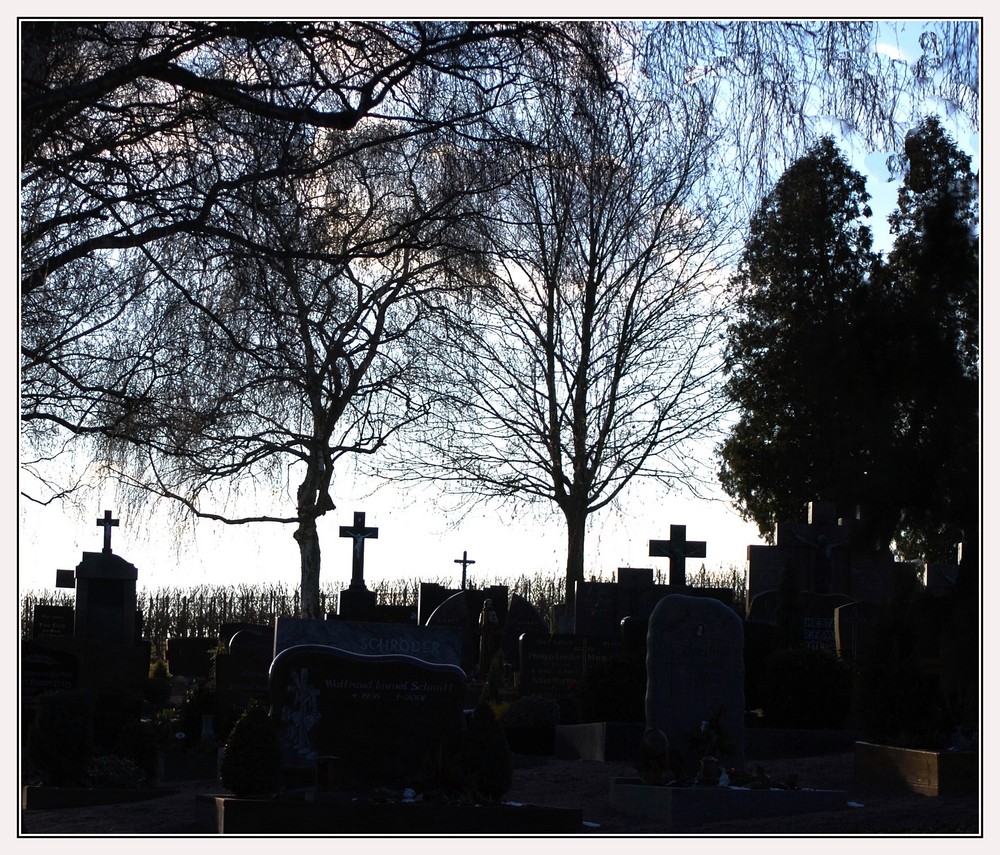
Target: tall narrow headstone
[(694, 666)]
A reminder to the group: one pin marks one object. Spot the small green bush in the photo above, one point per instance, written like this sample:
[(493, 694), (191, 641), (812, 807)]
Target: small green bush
[(251, 761), (805, 688), (61, 739)]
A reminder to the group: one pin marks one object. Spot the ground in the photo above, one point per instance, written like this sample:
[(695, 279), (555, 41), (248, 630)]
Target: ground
[(585, 784)]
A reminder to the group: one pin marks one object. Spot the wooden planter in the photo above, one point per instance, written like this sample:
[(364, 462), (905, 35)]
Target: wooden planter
[(932, 773)]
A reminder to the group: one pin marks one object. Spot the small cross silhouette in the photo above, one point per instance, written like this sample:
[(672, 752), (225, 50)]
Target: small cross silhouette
[(465, 561), (106, 524), (677, 549), (359, 533)]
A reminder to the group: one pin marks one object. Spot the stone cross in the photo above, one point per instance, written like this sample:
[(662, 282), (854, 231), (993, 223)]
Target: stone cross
[(677, 549), (359, 533), (465, 561), (106, 524)]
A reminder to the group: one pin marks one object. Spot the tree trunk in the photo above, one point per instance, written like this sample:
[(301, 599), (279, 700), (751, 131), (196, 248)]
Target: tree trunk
[(576, 530), (308, 539)]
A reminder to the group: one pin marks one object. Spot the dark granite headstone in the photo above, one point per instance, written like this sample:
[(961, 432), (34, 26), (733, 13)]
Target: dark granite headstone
[(230, 628), (52, 622), (597, 611), (454, 613), (522, 617), (45, 670), (388, 720), (430, 595), (855, 625), (694, 665), (558, 664), (439, 644), (256, 643), (818, 627)]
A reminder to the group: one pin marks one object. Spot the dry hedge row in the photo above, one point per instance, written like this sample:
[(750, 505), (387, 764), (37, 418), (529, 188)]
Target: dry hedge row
[(201, 610)]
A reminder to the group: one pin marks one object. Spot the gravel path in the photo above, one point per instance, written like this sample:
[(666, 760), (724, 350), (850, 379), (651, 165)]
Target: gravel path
[(579, 784)]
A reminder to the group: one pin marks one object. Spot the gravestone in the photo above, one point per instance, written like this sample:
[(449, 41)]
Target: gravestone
[(557, 665), (45, 670), (465, 561), (818, 624), (105, 593), (388, 720), (454, 613), (597, 610), (52, 622), (855, 625), (694, 665), (261, 631), (357, 602), (678, 549), (825, 555), (442, 645), (816, 610), (430, 595), (255, 642), (522, 617)]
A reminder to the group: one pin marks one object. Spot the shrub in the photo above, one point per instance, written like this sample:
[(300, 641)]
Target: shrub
[(112, 771), (805, 688), (61, 740), (251, 761), (158, 684), (489, 766)]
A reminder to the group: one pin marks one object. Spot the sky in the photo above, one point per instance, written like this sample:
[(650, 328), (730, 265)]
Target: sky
[(418, 536)]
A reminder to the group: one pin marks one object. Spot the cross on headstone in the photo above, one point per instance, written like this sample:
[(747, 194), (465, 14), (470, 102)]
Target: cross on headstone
[(677, 549), (359, 533), (465, 561), (106, 524)]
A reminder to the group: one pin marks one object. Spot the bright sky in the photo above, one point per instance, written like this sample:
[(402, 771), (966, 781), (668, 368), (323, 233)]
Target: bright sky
[(417, 538)]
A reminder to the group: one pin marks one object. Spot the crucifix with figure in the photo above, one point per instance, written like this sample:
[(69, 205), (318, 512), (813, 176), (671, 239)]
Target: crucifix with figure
[(677, 549), (106, 523), (360, 533), (465, 561)]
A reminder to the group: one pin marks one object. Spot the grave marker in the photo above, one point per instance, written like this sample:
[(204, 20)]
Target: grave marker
[(678, 549), (389, 720), (465, 561), (357, 602), (694, 665), (52, 622), (558, 664), (442, 645)]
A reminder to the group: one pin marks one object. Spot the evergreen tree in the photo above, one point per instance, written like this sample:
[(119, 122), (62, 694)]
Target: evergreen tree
[(933, 269), (804, 359)]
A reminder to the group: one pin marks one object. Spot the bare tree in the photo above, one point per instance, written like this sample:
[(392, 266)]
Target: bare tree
[(591, 358)]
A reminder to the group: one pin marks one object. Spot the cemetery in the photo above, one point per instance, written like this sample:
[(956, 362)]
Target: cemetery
[(654, 707)]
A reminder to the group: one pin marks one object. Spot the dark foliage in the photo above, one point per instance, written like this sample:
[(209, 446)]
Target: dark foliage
[(251, 761), (61, 740)]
